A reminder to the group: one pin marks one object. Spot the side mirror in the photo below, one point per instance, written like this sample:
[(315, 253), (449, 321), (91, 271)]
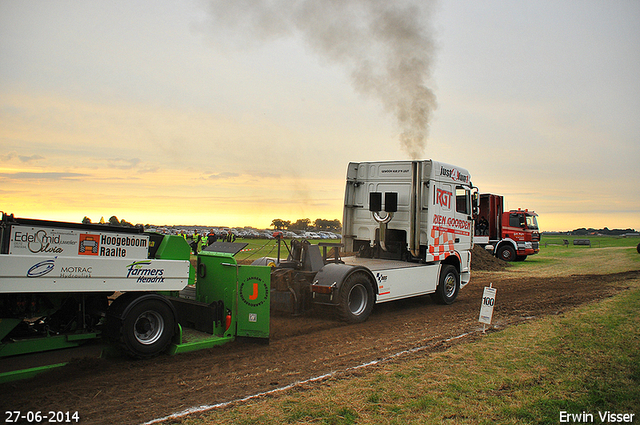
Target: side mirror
[(475, 203)]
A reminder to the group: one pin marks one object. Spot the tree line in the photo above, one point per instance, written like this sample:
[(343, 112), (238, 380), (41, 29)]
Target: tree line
[(304, 224), (606, 231), (113, 221)]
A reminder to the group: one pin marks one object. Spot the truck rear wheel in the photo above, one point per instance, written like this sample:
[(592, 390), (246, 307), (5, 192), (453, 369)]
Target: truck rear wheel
[(506, 253), (356, 299), (448, 285), (148, 328)]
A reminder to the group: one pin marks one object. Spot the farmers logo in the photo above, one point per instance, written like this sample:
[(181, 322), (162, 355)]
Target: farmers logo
[(138, 270), (253, 291), (41, 268)]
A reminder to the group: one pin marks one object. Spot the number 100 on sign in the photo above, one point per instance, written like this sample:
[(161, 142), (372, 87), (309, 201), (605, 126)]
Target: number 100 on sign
[(488, 300)]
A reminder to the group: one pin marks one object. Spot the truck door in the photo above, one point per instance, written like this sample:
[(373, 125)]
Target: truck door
[(462, 223), (441, 239)]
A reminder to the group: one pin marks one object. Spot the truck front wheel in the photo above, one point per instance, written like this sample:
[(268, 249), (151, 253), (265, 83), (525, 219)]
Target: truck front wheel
[(448, 285), (148, 328), (507, 253), (356, 299)]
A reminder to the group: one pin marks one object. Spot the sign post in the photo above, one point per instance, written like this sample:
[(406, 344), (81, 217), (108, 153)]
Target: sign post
[(486, 309)]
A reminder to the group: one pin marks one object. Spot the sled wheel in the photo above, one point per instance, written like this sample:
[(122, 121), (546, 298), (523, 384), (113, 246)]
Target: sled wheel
[(148, 328)]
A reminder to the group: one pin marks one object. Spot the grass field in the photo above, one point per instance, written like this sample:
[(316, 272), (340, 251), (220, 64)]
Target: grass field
[(607, 254), (585, 362)]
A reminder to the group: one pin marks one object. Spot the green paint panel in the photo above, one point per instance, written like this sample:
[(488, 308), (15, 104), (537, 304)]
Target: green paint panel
[(35, 345), (26, 373), (254, 303), (216, 278), (173, 247), (210, 342), (7, 325), (245, 291)]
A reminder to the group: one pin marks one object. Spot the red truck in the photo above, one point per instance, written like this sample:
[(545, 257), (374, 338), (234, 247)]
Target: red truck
[(509, 235)]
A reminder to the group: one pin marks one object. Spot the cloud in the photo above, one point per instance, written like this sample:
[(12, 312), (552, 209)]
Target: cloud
[(123, 163), (23, 158), (223, 176), (43, 176), (131, 164)]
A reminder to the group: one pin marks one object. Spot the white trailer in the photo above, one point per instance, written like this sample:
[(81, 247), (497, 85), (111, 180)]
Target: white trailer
[(58, 281)]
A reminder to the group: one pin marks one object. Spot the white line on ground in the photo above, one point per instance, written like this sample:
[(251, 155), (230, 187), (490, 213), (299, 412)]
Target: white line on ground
[(206, 407)]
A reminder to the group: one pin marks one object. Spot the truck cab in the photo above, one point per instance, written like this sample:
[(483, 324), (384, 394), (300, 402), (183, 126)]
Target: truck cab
[(523, 229), (414, 211), (509, 235)]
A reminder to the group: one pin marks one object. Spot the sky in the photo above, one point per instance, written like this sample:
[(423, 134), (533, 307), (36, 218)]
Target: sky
[(235, 113)]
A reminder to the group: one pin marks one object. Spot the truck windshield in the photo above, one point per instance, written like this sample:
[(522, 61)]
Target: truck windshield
[(532, 223)]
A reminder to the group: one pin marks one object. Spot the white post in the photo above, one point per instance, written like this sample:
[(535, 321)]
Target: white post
[(486, 308)]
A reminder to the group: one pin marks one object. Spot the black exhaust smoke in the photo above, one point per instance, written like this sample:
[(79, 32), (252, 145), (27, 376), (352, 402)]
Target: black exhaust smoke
[(386, 46)]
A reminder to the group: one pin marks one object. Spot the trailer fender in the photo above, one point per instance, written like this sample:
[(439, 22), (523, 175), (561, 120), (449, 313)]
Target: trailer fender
[(125, 302), (330, 278)]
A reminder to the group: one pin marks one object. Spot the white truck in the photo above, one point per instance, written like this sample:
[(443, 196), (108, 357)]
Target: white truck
[(410, 226)]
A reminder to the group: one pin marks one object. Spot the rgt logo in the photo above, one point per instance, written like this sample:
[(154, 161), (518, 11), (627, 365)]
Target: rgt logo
[(443, 197), (253, 291)]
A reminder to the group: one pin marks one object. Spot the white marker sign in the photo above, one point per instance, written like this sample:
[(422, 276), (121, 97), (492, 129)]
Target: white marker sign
[(488, 300)]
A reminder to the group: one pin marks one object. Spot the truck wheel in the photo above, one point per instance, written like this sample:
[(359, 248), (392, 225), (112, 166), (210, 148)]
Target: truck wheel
[(448, 285), (638, 248), (507, 253), (356, 299), (148, 328)]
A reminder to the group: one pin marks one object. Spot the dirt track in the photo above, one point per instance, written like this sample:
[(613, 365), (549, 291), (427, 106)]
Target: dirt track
[(129, 392)]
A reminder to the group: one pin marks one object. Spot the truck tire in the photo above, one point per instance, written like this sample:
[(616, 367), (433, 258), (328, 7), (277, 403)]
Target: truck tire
[(521, 257), (448, 285), (638, 248), (506, 253), (147, 329), (356, 299)]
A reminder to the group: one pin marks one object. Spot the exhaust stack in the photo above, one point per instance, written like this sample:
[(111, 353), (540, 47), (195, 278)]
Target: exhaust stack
[(415, 208)]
